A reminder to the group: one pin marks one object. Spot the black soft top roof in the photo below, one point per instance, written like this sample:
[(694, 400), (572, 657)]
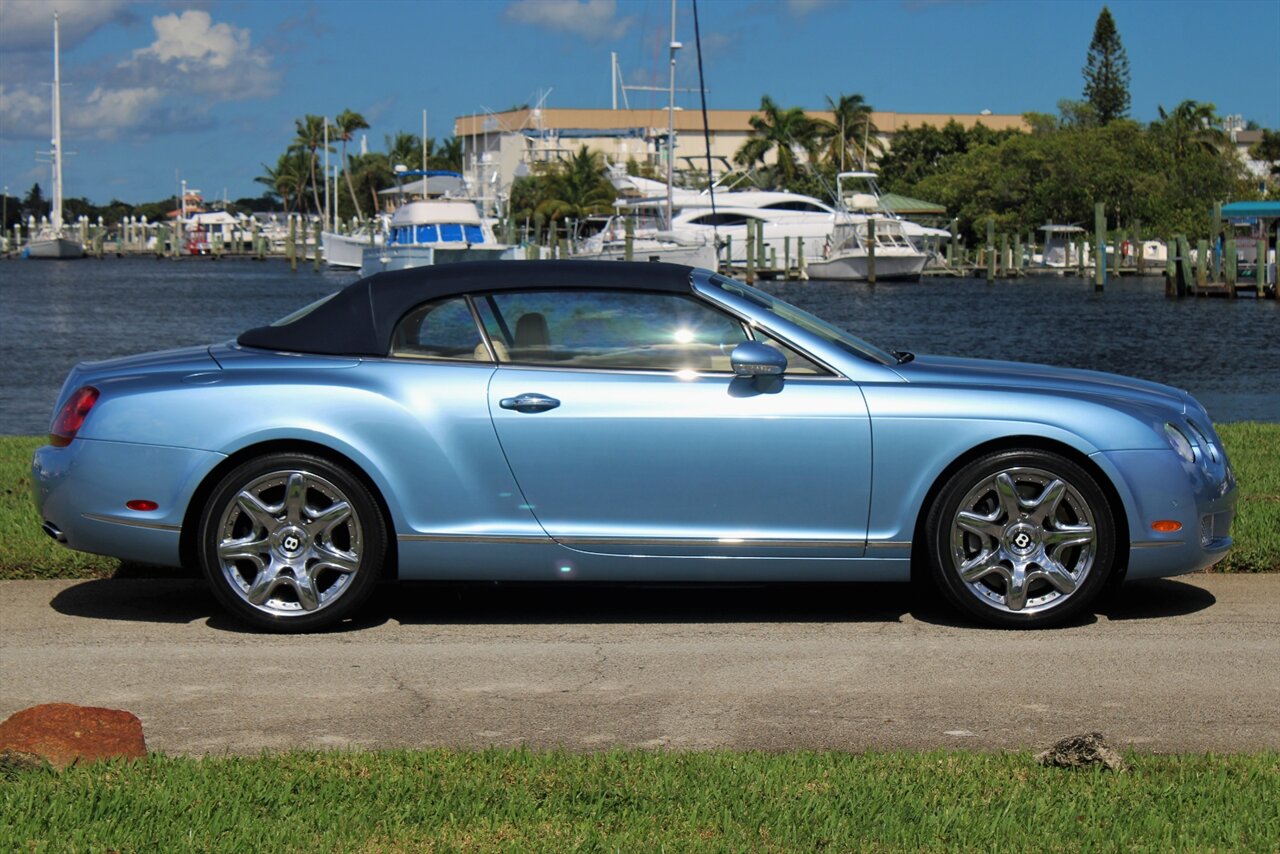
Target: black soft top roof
[(359, 319)]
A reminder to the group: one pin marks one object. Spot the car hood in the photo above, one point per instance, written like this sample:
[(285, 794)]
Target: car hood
[(948, 370)]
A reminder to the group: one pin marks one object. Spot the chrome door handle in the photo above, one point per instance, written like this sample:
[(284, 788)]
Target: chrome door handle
[(529, 402)]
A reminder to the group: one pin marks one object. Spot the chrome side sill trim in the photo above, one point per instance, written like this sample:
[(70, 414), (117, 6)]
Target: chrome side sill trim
[(521, 539), (1157, 544), (740, 542), (132, 523), (699, 542), (887, 544)]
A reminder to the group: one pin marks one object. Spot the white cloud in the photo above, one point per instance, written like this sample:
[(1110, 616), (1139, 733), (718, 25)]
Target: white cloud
[(28, 24), (191, 41), (592, 19), (109, 112), (192, 64), (804, 7)]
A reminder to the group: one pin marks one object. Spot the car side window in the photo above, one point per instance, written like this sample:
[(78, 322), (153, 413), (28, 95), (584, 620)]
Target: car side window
[(619, 330), (797, 363), (444, 329)]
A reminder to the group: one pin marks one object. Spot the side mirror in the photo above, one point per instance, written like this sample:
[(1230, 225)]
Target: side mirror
[(753, 359)]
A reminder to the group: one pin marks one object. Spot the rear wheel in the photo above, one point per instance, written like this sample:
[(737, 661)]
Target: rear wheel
[(1022, 538), (291, 542)]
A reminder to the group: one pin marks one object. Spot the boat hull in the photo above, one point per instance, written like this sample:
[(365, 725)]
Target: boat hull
[(346, 250), (380, 259), (54, 248), (853, 268), (703, 256)]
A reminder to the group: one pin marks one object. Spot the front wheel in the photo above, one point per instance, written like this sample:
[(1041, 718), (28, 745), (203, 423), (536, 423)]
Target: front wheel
[(1021, 539), (291, 542)]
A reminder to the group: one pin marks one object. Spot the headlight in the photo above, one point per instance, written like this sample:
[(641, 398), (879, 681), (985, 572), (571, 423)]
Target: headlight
[(1179, 442), (1202, 438)]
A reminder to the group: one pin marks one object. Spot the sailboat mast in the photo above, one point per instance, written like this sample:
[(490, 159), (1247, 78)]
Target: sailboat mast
[(671, 113), (55, 214)]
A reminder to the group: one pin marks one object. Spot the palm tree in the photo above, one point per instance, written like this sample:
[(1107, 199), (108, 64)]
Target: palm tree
[(849, 131), (310, 138), (372, 172), (781, 131), (448, 155), (1191, 127), (288, 179), (578, 189), (405, 149), (346, 125)]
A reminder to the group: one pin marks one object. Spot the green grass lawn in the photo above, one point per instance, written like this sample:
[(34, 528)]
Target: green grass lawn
[(519, 800), (1254, 449)]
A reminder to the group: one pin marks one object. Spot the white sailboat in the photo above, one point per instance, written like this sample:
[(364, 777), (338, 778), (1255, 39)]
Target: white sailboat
[(52, 241)]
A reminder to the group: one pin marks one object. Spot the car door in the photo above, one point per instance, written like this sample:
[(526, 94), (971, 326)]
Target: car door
[(627, 432)]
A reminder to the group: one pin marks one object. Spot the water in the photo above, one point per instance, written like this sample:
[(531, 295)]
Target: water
[(1226, 353)]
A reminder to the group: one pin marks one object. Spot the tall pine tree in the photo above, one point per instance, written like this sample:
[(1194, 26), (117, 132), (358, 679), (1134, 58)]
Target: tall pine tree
[(1106, 71)]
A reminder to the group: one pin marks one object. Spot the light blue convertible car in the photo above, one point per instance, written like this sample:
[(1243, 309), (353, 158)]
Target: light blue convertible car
[(604, 421)]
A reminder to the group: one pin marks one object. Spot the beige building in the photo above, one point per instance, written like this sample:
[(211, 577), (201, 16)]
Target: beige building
[(499, 147)]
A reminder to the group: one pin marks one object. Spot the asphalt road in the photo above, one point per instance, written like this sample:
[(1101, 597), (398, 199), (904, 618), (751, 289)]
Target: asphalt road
[(1189, 664)]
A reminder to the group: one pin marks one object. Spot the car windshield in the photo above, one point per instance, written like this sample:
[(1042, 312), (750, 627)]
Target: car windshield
[(304, 311), (810, 323)]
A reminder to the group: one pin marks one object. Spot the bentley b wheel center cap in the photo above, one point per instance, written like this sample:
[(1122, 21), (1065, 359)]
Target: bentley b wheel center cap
[(1022, 539), (291, 542)]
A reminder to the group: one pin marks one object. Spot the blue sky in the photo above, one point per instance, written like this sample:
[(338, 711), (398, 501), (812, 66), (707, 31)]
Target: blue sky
[(208, 91)]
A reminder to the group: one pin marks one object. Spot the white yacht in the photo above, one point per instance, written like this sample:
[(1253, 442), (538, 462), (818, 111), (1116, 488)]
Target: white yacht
[(862, 224), (1065, 246), (788, 220), (52, 240), (649, 242), (346, 251), (435, 231)]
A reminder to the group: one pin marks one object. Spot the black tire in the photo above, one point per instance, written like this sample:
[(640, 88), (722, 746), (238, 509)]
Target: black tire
[(1063, 569), (291, 542)]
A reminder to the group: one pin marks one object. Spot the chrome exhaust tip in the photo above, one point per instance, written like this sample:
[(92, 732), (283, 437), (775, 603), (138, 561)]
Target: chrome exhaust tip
[(54, 531)]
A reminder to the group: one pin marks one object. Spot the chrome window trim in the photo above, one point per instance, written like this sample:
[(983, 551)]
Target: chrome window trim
[(675, 375), (132, 523), (475, 318), (706, 293), (484, 333)]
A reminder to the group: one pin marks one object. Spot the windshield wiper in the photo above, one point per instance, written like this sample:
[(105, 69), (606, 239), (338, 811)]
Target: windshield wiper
[(902, 356)]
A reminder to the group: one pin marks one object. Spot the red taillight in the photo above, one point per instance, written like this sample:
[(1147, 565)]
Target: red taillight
[(71, 418), (142, 504)]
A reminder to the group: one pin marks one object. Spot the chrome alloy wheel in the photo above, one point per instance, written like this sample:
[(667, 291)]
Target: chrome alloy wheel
[(1023, 540), (289, 543)]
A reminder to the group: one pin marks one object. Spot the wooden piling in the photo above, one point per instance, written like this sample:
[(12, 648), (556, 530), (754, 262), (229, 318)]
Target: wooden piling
[(1017, 254), (1138, 260), (953, 247), (1004, 256), (751, 254), (760, 245), (1229, 265), (991, 250), (786, 256), (1100, 241), (1261, 276), (629, 238), (291, 245), (871, 250), (1216, 236), (1202, 255)]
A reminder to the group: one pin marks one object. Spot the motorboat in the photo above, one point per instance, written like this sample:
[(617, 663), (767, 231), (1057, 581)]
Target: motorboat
[(435, 231), (846, 256), (52, 241), (649, 242), (346, 251), (1065, 247)]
